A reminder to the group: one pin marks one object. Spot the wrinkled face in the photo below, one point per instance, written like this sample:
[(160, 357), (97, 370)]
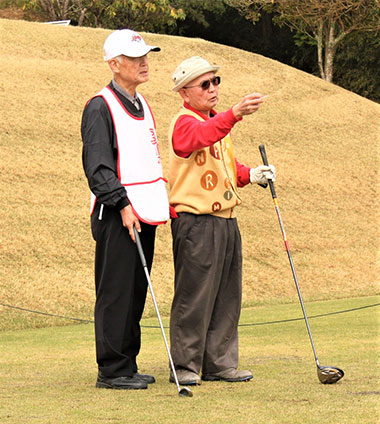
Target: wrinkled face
[(130, 71), (198, 98)]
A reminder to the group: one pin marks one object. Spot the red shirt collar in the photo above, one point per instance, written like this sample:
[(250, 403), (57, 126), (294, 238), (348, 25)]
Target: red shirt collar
[(205, 117)]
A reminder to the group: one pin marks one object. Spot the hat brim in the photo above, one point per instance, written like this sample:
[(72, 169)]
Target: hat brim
[(144, 51), (195, 74)]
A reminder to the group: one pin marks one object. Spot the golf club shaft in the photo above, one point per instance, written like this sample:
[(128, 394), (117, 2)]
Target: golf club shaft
[(274, 197), (144, 264)]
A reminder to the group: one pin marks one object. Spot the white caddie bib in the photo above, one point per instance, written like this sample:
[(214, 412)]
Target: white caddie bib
[(139, 163)]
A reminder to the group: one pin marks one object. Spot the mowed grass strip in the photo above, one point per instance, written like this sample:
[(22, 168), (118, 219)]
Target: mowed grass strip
[(48, 375), (323, 140)]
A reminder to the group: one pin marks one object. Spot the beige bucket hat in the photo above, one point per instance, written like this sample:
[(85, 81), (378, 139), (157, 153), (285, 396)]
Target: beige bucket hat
[(190, 69)]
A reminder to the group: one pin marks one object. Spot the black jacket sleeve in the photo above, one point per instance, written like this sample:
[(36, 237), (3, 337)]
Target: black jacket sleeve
[(99, 155)]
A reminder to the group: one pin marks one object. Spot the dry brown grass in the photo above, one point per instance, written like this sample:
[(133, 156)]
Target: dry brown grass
[(323, 140)]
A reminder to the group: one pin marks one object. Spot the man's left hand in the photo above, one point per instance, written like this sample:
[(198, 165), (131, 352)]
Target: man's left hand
[(262, 174)]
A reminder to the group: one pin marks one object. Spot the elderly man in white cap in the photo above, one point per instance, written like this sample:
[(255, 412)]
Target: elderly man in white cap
[(203, 177), (123, 167)]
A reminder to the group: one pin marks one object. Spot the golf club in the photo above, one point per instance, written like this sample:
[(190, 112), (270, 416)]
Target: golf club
[(182, 391), (326, 374)]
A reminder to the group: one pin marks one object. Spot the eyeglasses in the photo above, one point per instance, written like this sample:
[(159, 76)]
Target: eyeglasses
[(205, 85)]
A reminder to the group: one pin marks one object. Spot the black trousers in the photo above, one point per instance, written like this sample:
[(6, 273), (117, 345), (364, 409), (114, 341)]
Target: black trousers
[(121, 289)]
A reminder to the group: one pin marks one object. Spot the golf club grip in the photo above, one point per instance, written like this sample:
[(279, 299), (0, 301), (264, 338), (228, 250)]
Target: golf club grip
[(139, 247), (265, 162)]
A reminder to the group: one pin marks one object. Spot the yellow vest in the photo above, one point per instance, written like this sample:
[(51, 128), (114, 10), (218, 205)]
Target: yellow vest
[(206, 181)]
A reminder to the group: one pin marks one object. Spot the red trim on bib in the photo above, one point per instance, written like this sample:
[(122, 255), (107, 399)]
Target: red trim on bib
[(143, 220), (121, 104), (146, 182)]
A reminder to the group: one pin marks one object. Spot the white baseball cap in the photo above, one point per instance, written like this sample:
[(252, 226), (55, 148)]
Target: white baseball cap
[(190, 69), (126, 42)]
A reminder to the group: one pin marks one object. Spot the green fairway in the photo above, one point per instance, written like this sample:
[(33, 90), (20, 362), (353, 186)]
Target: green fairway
[(48, 375)]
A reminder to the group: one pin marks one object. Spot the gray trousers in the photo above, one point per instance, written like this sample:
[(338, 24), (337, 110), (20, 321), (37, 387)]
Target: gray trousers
[(207, 299)]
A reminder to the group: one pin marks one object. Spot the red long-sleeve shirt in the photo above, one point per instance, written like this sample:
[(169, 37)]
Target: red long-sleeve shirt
[(190, 134)]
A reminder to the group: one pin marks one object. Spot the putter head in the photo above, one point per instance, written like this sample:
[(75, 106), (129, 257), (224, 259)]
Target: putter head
[(329, 375), (185, 392)]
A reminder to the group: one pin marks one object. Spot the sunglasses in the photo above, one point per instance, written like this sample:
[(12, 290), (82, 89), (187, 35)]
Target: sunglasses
[(205, 85)]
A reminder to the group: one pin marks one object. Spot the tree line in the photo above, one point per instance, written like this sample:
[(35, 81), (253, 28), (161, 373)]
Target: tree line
[(338, 40)]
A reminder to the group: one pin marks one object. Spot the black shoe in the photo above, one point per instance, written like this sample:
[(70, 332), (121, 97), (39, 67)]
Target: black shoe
[(120, 383), (149, 379)]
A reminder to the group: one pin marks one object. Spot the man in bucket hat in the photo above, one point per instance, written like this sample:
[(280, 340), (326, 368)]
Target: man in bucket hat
[(123, 167), (203, 177)]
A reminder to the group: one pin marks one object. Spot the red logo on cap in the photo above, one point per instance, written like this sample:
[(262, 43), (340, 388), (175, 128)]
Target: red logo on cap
[(136, 38)]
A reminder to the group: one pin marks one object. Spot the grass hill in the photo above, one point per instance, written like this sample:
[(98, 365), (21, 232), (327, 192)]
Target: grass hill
[(323, 140)]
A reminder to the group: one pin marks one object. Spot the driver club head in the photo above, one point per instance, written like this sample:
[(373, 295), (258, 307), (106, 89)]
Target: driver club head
[(185, 392), (329, 375)]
